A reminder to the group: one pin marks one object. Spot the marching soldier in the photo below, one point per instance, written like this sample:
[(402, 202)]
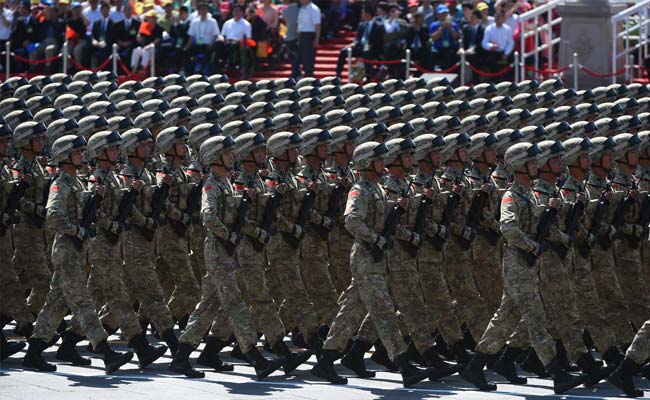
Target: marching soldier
[(636, 355)]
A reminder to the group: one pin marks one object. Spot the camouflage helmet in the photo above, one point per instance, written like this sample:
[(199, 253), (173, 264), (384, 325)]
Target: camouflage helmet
[(127, 108), (245, 86), (625, 142), (262, 124), (239, 98), (533, 134), (224, 88), (422, 125), (40, 80), (5, 131), (506, 138), (341, 135), (211, 100), (198, 89), (63, 146), (576, 147), (550, 84), (557, 130), (15, 117), (172, 91), (103, 108), (308, 81), (102, 140), (372, 131), (236, 128), (400, 130), (583, 129), (91, 124), (145, 94), (481, 104), (314, 121), (267, 84), (397, 147), (168, 137), (529, 85), (445, 123), (392, 85), (357, 100), (498, 118), (67, 100), (26, 131), (105, 87), (26, 91), (365, 153), (454, 142), (519, 154), (175, 116), (231, 112), (359, 115), (259, 109), (474, 123), (424, 95), (287, 94), (218, 78), (285, 121), (331, 102), (434, 107), (201, 132), (480, 142), (287, 106), (90, 97), (402, 97), (214, 148), (425, 144), (415, 83), (195, 78), (156, 82), (264, 95), (47, 115), (184, 101), (174, 79), (387, 114), (312, 138), (76, 87), (484, 89), (410, 111), (76, 112), (247, 142), (309, 103), (35, 103), (549, 149), (328, 80), (61, 127), (601, 145), (351, 89), (202, 115), (121, 94), (86, 75), (155, 105), (119, 123), (280, 142)]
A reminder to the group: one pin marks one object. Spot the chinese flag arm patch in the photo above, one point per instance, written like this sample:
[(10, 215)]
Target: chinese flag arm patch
[(207, 188), (507, 199), (54, 188), (353, 193)]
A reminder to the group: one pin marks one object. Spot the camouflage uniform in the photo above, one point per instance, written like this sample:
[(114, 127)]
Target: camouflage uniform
[(105, 279), (315, 252), (628, 258), (639, 350), (172, 250), (520, 282), (603, 270), (197, 235), (139, 268), (643, 177), (556, 286), (458, 263), (365, 213), (588, 302), (68, 288), (29, 257), (340, 240), (218, 209)]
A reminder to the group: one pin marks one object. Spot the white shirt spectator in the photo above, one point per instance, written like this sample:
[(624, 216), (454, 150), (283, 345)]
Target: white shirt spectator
[(513, 22), (115, 15), (308, 17), (236, 30), (92, 16), (498, 39), (6, 21), (204, 32)]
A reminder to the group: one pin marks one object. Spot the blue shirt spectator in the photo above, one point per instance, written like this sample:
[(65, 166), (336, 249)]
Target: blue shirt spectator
[(444, 32)]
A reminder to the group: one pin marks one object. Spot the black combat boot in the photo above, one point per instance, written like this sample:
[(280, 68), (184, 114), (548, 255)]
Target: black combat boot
[(461, 354), (237, 354), (353, 359), (145, 351), (24, 330), (613, 356), (8, 348), (181, 362), (412, 352), (298, 339), (380, 356), (563, 357), (468, 339), (113, 360), (68, 350), (505, 366), (534, 365), (324, 367), (562, 380), (210, 355), (291, 360), (645, 371), (595, 373), (410, 373), (438, 367), (315, 344), (323, 330), (589, 341), (441, 347), (182, 321), (170, 340), (622, 377), (34, 357), (474, 374), (263, 367)]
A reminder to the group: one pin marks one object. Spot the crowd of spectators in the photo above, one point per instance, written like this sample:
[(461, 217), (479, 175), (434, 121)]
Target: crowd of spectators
[(209, 36)]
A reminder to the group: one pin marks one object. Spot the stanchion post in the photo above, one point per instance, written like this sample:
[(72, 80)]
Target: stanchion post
[(64, 57), (576, 66), (516, 65), (629, 69), (114, 60), (349, 50), (8, 59), (407, 72), (462, 67), (153, 60)]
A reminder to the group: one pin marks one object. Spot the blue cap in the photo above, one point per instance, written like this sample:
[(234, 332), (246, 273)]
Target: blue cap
[(75, 4), (442, 9)]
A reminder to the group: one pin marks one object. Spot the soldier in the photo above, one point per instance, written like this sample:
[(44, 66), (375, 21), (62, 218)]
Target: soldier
[(296, 307), (317, 223), (368, 291), (14, 305), (172, 241), (224, 223), (139, 250), (628, 201), (643, 176), (520, 294), (340, 241), (29, 258), (68, 288), (636, 355)]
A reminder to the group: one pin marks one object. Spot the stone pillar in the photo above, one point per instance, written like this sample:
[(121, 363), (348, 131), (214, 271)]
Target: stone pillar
[(586, 30)]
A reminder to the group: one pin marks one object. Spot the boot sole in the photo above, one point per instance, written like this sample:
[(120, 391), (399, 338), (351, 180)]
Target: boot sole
[(361, 373), (10, 352), (28, 365), (114, 366), (515, 380), (438, 373), (217, 367), (488, 387), (317, 372), (193, 375), (273, 366), (294, 362), (603, 373), (565, 388), (386, 364), (409, 381), (79, 361), (156, 354)]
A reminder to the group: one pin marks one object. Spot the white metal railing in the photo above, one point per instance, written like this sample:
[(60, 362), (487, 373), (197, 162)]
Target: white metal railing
[(538, 21), (630, 30)]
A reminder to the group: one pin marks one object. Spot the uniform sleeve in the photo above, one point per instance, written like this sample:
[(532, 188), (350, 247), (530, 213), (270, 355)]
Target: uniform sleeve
[(356, 212), (510, 225), (57, 219), (210, 208)]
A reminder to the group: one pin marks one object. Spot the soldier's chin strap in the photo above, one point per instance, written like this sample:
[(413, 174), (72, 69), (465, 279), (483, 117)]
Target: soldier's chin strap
[(527, 173), (626, 162), (107, 159)]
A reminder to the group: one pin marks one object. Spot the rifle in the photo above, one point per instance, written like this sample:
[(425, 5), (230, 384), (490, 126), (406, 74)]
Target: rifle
[(240, 220), (303, 213), (447, 216), (644, 217), (13, 202), (88, 217), (333, 209), (157, 204), (619, 215), (123, 211), (475, 214), (543, 230), (268, 214), (572, 221), (193, 204), (596, 222)]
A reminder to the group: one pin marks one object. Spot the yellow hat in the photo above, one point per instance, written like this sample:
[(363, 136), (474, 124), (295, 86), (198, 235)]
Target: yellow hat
[(482, 6), (152, 13), (139, 8), (165, 3), (64, 1)]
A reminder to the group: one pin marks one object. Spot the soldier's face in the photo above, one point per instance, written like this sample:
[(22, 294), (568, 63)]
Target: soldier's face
[(113, 153), (435, 158), (77, 158), (632, 157), (607, 161), (379, 166), (180, 148), (490, 156), (144, 149), (555, 165), (531, 167), (4, 147), (259, 156), (584, 161), (462, 155), (292, 155), (228, 159), (322, 152), (407, 161), (38, 145), (349, 149)]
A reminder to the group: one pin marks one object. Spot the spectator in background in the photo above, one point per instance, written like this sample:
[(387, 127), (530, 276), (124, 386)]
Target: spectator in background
[(24, 40), (50, 35), (126, 32), (394, 38), (309, 28), (427, 11), (335, 11), (473, 43), (235, 32), (103, 36), (6, 22), (117, 11), (225, 10), (92, 14), (498, 43), (180, 37), (444, 35), (269, 14), (456, 11), (417, 39), (167, 20), (484, 9), (76, 34), (259, 28), (150, 33), (468, 8), (202, 35), (368, 42), (290, 17)]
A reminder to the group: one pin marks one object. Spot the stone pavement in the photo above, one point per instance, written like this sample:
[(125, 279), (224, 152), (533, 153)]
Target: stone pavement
[(155, 382)]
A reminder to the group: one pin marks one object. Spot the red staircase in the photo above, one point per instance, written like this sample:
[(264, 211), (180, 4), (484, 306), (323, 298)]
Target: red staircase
[(327, 55)]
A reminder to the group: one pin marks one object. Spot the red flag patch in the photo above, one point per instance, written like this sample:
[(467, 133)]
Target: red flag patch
[(207, 188), (353, 193), (507, 199), (54, 188)]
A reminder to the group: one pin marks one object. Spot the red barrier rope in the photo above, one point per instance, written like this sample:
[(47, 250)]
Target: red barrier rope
[(36, 62), (490, 74), (127, 71), (81, 67), (547, 71), (379, 62), (444, 71), (597, 75)]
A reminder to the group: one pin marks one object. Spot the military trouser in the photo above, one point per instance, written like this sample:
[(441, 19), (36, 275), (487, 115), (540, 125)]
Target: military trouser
[(639, 350), (140, 273), (367, 294), (68, 290), (284, 263), (630, 275), (13, 301), (315, 274), (589, 304), (437, 298), (471, 306), (486, 269), (173, 260), (520, 299), (645, 259), (340, 246), (603, 270), (252, 282), (220, 289), (558, 295), (520, 339), (30, 262), (106, 282), (197, 259)]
